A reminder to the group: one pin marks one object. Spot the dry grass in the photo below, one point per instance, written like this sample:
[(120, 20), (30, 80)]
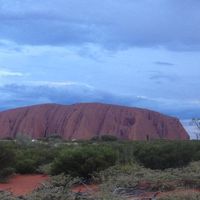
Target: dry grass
[(182, 195), (176, 184)]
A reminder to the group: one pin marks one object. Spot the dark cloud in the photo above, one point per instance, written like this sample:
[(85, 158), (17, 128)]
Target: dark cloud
[(163, 63), (159, 77), (20, 95), (46, 32), (14, 95), (173, 24)]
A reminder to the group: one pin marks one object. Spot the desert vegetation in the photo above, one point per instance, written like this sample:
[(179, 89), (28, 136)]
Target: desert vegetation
[(163, 166)]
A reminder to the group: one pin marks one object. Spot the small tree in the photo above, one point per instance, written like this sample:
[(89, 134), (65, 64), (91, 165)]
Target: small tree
[(196, 122)]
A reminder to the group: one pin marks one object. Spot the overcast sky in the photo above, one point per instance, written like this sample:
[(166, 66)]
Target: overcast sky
[(143, 53)]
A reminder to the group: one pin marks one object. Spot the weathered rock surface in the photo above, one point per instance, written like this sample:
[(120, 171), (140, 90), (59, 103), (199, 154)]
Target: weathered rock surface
[(84, 121)]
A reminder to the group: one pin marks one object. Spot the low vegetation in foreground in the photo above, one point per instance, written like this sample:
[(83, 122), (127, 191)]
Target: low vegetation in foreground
[(118, 167)]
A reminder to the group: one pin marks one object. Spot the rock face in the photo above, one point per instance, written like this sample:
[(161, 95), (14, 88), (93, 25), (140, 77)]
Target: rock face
[(84, 121)]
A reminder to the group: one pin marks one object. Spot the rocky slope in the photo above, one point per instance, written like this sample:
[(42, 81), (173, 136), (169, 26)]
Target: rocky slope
[(84, 121)]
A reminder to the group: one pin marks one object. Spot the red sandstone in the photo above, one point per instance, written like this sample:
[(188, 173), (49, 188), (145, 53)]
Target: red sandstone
[(84, 121)]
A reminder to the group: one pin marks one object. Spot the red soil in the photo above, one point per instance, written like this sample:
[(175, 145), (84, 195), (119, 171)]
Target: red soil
[(23, 184)]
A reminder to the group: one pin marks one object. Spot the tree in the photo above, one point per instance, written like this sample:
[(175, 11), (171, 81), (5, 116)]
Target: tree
[(196, 122)]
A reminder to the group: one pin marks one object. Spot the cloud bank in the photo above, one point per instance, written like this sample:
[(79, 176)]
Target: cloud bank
[(173, 24), (17, 95), (142, 53)]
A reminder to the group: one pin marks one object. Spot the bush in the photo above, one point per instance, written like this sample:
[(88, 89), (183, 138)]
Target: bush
[(95, 138), (5, 173), (7, 156), (54, 138), (162, 155), (8, 138), (26, 166), (29, 160), (83, 161), (7, 159), (109, 138)]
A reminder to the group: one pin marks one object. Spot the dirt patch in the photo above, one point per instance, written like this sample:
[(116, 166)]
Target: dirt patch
[(20, 185)]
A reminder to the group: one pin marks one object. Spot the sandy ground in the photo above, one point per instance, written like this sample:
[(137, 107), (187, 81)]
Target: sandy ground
[(23, 184)]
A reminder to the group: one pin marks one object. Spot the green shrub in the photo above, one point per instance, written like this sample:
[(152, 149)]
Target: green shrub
[(83, 161), (95, 138), (28, 160), (108, 138), (7, 160), (7, 156), (162, 155), (5, 173), (26, 166)]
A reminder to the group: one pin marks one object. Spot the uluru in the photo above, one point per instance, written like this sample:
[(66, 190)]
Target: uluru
[(87, 120)]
